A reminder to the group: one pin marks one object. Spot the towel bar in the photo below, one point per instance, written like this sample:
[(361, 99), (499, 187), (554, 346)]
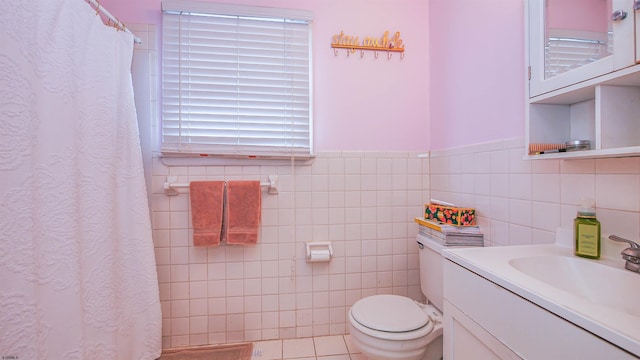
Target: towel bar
[(171, 186)]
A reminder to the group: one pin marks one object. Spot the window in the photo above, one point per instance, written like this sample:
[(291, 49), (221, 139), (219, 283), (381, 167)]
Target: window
[(236, 80)]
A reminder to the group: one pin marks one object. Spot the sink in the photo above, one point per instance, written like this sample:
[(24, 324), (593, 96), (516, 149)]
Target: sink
[(599, 296), (595, 282)]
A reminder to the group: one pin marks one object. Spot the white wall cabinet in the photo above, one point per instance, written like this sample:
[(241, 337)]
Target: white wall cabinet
[(596, 99), (575, 40), (485, 321)]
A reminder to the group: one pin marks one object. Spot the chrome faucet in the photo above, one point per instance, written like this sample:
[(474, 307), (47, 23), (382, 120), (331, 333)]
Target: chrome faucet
[(630, 254)]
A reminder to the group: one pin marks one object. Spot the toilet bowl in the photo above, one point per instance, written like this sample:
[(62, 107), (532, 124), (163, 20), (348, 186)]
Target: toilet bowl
[(395, 327), (385, 327)]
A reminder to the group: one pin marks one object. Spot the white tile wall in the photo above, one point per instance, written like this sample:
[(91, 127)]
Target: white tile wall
[(524, 202), (363, 202)]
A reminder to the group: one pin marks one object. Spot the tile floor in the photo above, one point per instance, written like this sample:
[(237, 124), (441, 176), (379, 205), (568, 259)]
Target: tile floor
[(336, 347)]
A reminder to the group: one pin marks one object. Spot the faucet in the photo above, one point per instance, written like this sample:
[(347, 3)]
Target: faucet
[(630, 254)]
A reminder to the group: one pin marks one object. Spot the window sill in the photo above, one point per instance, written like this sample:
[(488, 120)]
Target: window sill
[(199, 160)]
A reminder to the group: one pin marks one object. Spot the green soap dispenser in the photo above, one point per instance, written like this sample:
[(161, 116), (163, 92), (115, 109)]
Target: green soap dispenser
[(587, 232)]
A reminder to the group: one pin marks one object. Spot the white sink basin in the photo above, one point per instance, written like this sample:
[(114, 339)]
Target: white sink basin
[(598, 295), (604, 285)]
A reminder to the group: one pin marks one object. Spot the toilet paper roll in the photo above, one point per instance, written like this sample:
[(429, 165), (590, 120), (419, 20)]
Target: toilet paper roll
[(319, 255)]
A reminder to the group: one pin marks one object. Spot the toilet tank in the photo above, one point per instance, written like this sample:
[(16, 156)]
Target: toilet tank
[(431, 264)]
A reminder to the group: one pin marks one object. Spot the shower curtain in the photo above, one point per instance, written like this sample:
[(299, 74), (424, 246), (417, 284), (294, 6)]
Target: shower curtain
[(77, 267)]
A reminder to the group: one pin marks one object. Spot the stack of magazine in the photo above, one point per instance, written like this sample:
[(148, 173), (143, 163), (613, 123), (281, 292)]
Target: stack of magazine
[(449, 235)]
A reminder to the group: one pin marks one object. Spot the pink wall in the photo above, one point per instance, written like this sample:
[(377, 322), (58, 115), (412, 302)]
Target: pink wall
[(461, 81), (477, 71), (586, 15)]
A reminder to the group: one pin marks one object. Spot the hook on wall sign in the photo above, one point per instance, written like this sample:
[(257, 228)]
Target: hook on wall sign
[(384, 43)]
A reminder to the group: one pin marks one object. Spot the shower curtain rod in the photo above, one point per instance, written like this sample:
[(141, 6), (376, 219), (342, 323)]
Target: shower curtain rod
[(113, 19)]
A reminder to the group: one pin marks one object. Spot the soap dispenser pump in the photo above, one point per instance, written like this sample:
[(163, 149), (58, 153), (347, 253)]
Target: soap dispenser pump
[(587, 232)]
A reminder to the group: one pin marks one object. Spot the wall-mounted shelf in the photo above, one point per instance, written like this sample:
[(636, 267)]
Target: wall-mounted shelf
[(603, 110), (352, 44), (590, 154), (353, 49)]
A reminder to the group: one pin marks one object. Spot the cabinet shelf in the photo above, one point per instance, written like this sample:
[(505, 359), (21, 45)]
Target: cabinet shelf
[(589, 154), (608, 116), (585, 90)]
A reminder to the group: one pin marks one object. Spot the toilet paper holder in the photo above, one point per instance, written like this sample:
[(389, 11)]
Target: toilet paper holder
[(319, 251)]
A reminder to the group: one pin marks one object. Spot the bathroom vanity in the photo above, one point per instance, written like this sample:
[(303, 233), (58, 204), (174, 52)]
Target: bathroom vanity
[(538, 302)]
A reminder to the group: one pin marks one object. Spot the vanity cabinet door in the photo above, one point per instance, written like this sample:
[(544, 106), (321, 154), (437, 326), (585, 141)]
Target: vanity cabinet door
[(570, 41), (465, 339)]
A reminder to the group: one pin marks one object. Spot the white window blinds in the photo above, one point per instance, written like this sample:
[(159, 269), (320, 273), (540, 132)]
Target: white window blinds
[(235, 80)]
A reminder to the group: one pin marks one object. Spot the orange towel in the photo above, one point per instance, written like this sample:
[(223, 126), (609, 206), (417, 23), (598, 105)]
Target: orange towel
[(243, 212), (207, 199)]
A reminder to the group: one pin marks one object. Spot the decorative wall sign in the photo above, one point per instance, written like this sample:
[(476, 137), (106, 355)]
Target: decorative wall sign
[(387, 43)]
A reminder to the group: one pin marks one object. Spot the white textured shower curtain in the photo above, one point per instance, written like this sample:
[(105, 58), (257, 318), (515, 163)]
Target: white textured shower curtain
[(77, 267)]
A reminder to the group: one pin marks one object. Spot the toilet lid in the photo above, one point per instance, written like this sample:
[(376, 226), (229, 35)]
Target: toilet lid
[(390, 313)]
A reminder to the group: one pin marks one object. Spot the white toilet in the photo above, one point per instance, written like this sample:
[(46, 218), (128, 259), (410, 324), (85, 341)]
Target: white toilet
[(387, 327)]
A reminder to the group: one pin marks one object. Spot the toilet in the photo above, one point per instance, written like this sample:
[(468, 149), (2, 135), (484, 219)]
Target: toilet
[(397, 327)]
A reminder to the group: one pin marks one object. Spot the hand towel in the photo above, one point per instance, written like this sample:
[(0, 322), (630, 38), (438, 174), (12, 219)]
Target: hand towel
[(207, 199), (243, 211)]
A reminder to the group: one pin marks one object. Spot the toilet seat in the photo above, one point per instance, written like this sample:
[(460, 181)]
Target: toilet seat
[(390, 313), (390, 317)]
